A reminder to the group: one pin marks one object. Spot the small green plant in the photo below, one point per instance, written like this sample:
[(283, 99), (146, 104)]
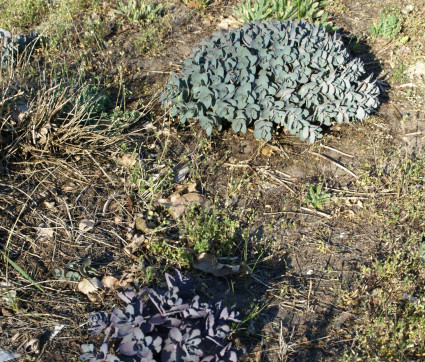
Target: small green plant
[(357, 47), (316, 197), (260, 10), (122, 119), (398, 74), (149, 41), (388, 27), (281, 10), (73, 271), (150, 183), (93, 101), (170, 254), (209, 230), (12, 300), (136, 11)]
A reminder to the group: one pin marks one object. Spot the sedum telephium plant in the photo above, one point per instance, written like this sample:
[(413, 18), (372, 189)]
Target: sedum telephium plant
[(172, 326), (12, 45), (291, 74)]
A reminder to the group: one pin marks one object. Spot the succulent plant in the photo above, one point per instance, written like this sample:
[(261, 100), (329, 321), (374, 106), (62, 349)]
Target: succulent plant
[(93, 101), (11, 45), (73, 271), (291, 74), (171, 326)]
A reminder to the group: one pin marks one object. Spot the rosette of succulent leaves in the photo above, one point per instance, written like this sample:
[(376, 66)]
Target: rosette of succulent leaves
[(292, 74), (171, 326)]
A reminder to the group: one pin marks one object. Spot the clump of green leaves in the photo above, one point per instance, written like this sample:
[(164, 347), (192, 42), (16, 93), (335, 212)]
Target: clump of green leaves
[(291, 74), (316, 197), (388, 27), (281, 10), (94, 101), (73, 271), (210, 230), (136, 10)]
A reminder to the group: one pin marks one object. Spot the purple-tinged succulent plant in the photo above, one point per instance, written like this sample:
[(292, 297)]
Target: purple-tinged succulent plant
[(171, 326), (103, 355)]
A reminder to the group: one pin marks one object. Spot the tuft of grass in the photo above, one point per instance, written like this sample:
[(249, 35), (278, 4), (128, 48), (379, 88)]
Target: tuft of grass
[(389, 25), (399, 75)]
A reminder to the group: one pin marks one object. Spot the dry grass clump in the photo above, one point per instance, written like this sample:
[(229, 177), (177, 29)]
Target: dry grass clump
[(56, 117)]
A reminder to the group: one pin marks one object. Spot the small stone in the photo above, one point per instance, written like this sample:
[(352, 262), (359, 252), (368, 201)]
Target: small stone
[(408, 9), (86, 225), (417, 70), (140, 224)]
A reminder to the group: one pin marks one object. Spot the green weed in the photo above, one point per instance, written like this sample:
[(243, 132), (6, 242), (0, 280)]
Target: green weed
[(399, 75), (171, 255), (316, 197), (209, 230), (389, 26), (149, 41)]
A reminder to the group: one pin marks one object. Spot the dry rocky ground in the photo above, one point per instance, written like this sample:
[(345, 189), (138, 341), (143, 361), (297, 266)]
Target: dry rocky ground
[(329, 279)]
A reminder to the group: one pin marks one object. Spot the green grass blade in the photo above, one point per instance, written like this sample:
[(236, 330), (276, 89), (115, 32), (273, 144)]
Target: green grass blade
[(22, 272)]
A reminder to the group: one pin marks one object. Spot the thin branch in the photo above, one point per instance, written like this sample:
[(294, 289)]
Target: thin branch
[(100, 167), (328, 158), (316, 212), (269, 174), (338, 151)]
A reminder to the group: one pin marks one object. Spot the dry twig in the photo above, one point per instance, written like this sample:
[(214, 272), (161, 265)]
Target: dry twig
[(336, 163)]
